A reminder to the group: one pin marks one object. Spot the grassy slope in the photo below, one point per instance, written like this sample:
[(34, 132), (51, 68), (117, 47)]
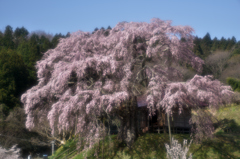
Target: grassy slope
[(149, 146)]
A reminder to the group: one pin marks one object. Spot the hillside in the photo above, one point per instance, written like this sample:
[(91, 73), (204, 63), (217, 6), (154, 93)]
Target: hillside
[(226, 143)]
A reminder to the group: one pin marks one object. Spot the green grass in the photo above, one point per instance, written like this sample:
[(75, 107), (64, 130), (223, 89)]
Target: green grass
[(225, 145), (148, 146), (231, 112), (68, 149)]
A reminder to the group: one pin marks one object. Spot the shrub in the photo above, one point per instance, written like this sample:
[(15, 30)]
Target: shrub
[(177, 151)]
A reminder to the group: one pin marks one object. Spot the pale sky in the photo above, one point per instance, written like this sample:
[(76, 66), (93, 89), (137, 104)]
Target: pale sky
[(219, 18)]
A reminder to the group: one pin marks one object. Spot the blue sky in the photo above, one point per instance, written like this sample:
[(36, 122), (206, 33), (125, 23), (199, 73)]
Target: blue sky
[(219, 18)]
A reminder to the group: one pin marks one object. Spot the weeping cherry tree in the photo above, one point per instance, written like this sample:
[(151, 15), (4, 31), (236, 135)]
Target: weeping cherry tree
[(89, 75)]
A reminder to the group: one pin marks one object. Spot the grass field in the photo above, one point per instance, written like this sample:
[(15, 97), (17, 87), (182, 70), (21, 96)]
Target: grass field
[(226, 144)]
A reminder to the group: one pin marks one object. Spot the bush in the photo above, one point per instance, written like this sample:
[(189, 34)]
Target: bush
[(177, 151), (234, 83)]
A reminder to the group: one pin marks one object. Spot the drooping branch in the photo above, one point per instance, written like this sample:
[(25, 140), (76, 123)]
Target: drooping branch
[(87, 74)]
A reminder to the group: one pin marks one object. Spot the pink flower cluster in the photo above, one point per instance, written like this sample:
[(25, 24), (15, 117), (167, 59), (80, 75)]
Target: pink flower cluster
[(87, 74)]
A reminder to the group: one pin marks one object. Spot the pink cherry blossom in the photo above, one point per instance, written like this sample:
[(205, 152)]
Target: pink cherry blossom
[(88, 74)]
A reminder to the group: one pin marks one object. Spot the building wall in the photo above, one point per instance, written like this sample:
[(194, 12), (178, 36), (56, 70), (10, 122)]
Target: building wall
[(180, 120), (176, 120)]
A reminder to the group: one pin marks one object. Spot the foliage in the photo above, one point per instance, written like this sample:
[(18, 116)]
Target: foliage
[(205, 46), (234, 83), (56, 39), (225, 144), (151, 146), (65, 150), (197, 47), (147, 146), (19, 52), (13, 77), (20, 35), (236, 51), (230, 113), (8, 38), (222, 59)]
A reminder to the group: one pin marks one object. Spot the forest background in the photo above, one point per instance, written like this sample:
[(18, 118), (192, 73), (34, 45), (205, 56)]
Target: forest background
[(19, 51)]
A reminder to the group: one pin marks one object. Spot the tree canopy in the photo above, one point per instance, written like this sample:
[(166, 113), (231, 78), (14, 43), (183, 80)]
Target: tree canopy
[(19, 52), (88, 75)]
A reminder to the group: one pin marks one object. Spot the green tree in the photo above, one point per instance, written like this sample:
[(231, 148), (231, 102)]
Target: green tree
[(231, 43), (34, 48), (26, 50), (68, 34), (197, 47), (206, 44), (1, 40), (23, 50), (215, 44), (96, 29), (20, 35), (56, 38), (13, 77), (21, 32), (44, 44), (223, 44), (8, 37), (234, 83), (236, 51)]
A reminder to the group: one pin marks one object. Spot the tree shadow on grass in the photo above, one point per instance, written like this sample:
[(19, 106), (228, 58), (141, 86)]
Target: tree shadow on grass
[(225, 144), (147, 146)]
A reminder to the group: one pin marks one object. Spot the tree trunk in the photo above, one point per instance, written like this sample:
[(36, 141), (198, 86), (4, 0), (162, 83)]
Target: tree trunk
[(169, 129), (129, 127)]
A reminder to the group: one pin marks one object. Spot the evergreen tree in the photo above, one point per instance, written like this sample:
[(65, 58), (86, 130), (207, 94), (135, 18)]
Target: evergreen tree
[(34, 48), (96, 29), (20, 34), (8, 37), (45, 44), (206, 44), (30, 52), (56, 38), (231, 43), (1, 40), (23, 50), (215, 44), (13, 77), (223, 44), (197, 47), (68, 34)]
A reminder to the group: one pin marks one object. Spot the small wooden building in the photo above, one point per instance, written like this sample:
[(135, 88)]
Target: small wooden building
[(158, 123)]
